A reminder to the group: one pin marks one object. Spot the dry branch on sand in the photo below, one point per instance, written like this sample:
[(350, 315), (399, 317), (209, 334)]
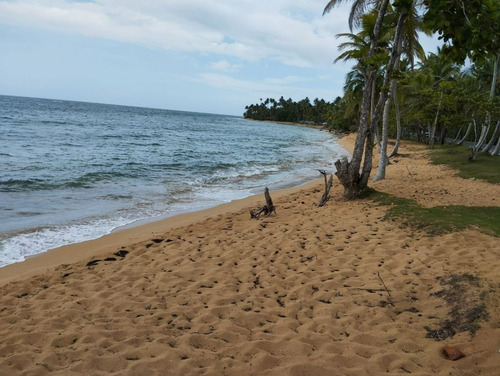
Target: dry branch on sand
[(328, 186), (267, 209)]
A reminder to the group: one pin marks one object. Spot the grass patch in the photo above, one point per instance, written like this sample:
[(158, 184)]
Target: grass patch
[(485, 167), (440, 219)]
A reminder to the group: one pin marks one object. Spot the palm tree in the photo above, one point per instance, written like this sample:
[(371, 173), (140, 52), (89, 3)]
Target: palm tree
[(405, 43), (411, 48), (481, 70), (348, 173), (403, 11), (357, 48)]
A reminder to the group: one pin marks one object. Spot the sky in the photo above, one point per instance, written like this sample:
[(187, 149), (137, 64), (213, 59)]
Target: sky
[(190, 55)]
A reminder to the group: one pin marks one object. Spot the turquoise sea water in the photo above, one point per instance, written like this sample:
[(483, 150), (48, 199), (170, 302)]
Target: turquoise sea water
[(73, 171)]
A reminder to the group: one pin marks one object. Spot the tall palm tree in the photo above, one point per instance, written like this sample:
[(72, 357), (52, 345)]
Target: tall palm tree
[(348, 173), (402, 10), (406, 43), (357, 48)]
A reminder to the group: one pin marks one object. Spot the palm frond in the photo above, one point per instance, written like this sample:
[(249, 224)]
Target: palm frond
[(331, 4)]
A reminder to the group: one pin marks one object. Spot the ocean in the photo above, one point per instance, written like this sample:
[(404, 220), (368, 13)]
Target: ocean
[(74, 171)]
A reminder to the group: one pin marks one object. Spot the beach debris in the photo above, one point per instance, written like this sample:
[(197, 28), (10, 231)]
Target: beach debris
[(328, 186), (410, 172), (386, 290), (93, 262), (121, 253), (452, 353), (267, 209)]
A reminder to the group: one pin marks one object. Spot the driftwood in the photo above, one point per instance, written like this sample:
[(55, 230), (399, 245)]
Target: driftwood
[(267, 209), (328, 186)]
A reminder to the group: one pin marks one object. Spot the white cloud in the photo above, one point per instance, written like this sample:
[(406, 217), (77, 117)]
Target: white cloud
[(288, 80), (292, 32), (224, 66), (265, 88)]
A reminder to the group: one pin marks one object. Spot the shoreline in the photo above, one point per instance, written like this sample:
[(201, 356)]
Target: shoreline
[(130, 234), (144, 229), (315, 126), (321, 127)]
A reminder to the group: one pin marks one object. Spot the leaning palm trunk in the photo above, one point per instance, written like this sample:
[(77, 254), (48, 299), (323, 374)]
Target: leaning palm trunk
[(372, 108), (496, 59), (496, 151), (455, 140), (490, 144), (479, 142), (466, 135), (434, 125), (348, 172)]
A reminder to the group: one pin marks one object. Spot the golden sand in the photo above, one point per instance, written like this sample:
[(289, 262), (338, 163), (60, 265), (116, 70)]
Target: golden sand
[(309, 291)]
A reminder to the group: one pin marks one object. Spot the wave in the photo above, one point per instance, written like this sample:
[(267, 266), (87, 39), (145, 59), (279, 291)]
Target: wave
[(23, 185), (55, 122), (86, 181)]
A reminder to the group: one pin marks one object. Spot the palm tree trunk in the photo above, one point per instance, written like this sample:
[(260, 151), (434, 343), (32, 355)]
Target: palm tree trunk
[(372, 108), (469, 127), (432, 133), (496, 151), (385, 133), (496, 132), (496, 59), (398, 123)]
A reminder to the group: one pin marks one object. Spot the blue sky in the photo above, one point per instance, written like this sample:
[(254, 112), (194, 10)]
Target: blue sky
[(192, 55)]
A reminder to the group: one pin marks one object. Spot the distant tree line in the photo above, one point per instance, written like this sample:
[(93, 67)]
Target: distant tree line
[(303, 111)]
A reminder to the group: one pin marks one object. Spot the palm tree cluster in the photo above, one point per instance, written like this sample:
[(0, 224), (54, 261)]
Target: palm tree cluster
[(394, 89), (303, 111)]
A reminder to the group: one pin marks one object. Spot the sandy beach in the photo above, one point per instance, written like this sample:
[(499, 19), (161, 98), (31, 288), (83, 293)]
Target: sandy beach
[(307, 291)]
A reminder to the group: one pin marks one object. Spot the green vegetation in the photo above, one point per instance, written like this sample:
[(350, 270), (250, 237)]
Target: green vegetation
[(440, 219), (485, 167), (317, 112), (330, 114)]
